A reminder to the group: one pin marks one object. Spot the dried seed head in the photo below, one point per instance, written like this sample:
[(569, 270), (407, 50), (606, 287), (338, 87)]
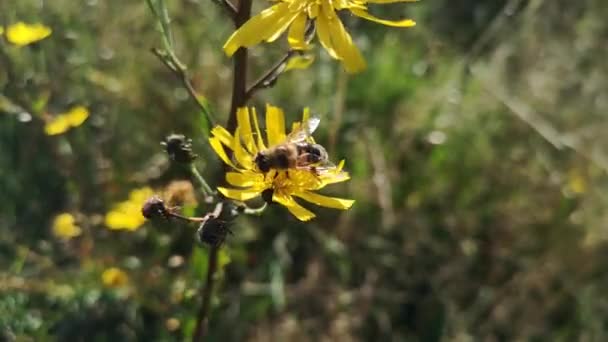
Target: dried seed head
[(213, 231), (154, 207), (179, 148)]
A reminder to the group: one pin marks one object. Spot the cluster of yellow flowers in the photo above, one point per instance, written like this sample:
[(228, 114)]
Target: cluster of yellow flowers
[(271, 23), (248, 179), (22, 34)]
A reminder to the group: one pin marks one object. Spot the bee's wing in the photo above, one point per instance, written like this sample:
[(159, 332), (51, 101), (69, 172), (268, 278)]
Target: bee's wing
[(305, 130)]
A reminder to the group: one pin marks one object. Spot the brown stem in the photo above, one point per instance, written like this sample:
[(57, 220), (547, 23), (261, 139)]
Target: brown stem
[(207, 291), (239, 87), (239, 99), (203, 312)]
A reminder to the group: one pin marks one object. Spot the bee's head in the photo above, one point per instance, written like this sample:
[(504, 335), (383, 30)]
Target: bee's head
[(263, 162), (318, 152)]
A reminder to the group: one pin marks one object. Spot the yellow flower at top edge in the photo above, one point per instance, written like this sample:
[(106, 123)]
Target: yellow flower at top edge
[(22, 34), (64, 226), (61, 123), (127, 214), (293, 14), (250, 182), (114, 277)]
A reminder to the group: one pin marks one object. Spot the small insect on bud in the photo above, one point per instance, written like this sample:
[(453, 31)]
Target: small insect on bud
[(154, 207), (213, 231), (179, 148)]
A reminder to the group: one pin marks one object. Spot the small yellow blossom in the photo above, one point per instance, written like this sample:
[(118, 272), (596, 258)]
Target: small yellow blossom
[(294, 14), (22, 34), (64, 226), (284, 184), (1, 30), (114, 277), (127, 215), (64, 121)]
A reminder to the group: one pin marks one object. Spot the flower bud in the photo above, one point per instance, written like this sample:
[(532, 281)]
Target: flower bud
[(179, 148), (154, 207), (213, 231)]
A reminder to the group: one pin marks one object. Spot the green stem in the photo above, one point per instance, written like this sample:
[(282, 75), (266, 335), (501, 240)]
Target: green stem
[(205, 188)]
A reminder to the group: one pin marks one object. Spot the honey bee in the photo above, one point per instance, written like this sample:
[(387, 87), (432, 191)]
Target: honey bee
[(296, 152)]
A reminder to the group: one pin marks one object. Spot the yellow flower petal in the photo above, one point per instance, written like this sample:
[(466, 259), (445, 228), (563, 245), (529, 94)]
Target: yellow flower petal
[(297, 29), (223, 135), (22, 34), (333, 177), (140, 195), (258, 133), (324, 35), (297, 210), (245, 179), (64, 226), (275, 125), (342, 42), (216, 145), (77, 115), (114, 277), (239, 194), (325, 201), (120, 220), (1, 30), (400, 23), (58, 125), (243, 122), (267, 25), (242, 157)]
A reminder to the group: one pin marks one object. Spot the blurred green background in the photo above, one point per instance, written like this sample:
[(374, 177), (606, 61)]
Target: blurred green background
[(477, 148)]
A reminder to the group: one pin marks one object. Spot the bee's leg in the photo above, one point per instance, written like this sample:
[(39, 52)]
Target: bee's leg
[(303, 159)]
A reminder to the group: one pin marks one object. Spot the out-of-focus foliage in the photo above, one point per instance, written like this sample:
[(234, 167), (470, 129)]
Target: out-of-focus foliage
[(475, 142)]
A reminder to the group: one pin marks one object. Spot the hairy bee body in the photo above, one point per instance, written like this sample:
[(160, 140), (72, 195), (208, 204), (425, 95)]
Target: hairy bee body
[(297, 151), (291, 156)]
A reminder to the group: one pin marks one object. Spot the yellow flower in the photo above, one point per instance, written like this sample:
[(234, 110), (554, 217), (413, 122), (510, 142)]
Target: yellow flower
[(1, 30), (63, 122), (284, 184), (22, 34), (64, 226), (127, 215), (114, 277), (293, 14)]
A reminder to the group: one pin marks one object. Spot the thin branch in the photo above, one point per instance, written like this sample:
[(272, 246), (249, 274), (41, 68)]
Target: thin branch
[(206, 189), (271, 76), (228, 7), (180, 72)]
